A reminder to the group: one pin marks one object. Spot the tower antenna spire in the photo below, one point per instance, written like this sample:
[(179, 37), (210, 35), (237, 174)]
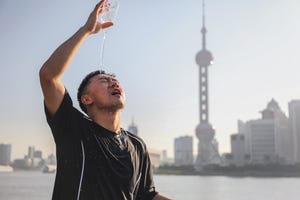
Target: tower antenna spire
[(203, 13), (203, 30)]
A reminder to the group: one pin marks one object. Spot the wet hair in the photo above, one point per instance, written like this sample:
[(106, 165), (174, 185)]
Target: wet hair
[(83, 86)]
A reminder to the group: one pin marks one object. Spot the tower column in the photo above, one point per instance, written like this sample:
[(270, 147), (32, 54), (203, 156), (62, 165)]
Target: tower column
[(203, 94)]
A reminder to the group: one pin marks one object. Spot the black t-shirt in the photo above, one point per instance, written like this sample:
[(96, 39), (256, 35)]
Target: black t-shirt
[(94, 163)]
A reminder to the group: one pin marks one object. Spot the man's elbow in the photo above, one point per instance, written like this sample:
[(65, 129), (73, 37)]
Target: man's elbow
[(45, 75)]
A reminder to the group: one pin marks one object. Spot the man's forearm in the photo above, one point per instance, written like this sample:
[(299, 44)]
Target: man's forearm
[(160, 197)]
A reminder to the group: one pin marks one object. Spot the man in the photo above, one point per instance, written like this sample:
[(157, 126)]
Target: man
[(96, 158)]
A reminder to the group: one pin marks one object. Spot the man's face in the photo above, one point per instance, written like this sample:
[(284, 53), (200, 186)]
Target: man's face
[(105, 92)]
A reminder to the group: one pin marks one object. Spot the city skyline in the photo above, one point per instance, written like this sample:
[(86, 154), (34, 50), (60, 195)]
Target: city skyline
[(134, 129), (254, 45)]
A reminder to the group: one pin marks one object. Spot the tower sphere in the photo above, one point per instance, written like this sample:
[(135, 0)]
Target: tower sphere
[(205, 131), (204, 58)]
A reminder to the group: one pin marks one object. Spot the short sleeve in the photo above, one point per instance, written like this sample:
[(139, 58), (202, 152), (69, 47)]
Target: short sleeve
[(64, 121)]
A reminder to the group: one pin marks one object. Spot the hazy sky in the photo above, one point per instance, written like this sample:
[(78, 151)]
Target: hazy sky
[(152, 50)]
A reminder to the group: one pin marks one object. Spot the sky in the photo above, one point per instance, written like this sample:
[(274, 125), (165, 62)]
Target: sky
[(151, 48)]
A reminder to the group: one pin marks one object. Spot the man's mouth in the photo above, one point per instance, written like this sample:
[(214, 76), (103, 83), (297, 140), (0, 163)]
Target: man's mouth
[(116, 92)]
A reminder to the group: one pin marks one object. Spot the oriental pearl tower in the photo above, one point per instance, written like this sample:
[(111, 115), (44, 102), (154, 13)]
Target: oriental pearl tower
[(207, 148)]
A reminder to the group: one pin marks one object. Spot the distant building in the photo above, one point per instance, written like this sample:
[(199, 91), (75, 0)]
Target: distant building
[(227, 159), (133, 128), (5, 154), (51, 160), (238, 149), (37, 154), (165, 160), (154, 157), (164, 157), (183, 150), (21, 163), (31, 151), (267, 139), (294, 126), (33, 159), (283, 137)]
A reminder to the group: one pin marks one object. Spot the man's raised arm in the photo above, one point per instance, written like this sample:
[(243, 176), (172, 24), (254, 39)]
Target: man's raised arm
[(52, 70), (160, 197)]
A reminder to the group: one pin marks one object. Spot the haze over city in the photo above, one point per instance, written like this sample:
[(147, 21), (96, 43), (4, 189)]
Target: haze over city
[(152, 50)]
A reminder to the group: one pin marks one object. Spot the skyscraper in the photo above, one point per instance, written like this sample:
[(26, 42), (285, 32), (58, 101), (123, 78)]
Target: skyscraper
[(183, 150), (207, 151), (133, 128), (268, 139), (5, 154), (238, 149), (294, 126), (31, 151)]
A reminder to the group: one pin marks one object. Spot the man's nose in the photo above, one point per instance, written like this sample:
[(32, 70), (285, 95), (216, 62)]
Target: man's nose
[(115, 84)]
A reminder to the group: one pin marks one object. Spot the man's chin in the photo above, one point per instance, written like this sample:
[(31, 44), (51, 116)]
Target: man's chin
[(117, 106)]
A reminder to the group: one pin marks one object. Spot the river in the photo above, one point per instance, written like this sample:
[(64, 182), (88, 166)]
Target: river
[(38, 186)]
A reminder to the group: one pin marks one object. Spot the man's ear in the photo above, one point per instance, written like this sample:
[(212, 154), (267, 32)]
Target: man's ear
[(86, 99)]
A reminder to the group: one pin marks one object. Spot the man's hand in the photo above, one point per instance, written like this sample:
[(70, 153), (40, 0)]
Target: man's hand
[(93, 25)]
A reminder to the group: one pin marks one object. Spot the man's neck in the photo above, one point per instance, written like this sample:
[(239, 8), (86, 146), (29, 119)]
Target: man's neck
[(108, 120)]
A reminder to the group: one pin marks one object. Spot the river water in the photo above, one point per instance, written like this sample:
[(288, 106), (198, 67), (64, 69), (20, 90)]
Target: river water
[(38, 186)]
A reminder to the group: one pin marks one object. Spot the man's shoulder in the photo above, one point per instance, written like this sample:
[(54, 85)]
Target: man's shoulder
[(67, 103), (134, 136), (137, 140)]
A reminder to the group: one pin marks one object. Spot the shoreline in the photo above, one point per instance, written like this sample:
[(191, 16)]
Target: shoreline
[(255, 174), (246, 171)]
